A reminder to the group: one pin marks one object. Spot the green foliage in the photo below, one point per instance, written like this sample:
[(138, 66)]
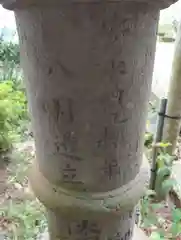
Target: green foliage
[(23, 215), (163, 159), (9, 60), (13, 107), (9, 52), (148, 140), (158, 226), (26, 219), (150, 220), (13, 110)]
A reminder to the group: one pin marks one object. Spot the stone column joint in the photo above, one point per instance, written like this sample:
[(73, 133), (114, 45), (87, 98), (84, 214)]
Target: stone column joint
[(109, 203)]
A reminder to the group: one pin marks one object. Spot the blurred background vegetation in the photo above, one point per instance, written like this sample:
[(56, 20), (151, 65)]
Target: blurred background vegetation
[(13, 103)]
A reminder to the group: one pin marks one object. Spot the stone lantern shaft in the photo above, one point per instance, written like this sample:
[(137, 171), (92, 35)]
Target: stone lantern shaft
[(88, 68)]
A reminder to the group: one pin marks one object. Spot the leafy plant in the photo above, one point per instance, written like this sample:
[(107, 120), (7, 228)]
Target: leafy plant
[(22, 216), (26, 220), (163, 183), (147, 216), (148, 140), (161, 228), (13, 109), (9, 52), (9, 60)]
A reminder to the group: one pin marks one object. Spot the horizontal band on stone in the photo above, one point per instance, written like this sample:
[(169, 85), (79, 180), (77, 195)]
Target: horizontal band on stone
[(114, 202), (13, 4)]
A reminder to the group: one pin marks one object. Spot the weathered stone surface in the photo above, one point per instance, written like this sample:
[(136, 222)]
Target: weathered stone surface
[(137, 235), (11, 4), (88, 82)]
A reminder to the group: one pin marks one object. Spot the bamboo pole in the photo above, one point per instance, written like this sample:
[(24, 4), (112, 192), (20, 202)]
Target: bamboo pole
[(158, 138), (173, 121)]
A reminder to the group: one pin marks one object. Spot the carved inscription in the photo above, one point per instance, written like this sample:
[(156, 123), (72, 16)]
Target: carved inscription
[(69, 142), (117, 95), (128, 216), (122, 67), (111, 169), (120, 236), (71, 157), (66, 145), (84, 230), (124, 235), (71, 164), (119, 66), (117, 119), (59, 109), (127, 25), (127, 235), (69, 173), (108, 139), (103, 141)]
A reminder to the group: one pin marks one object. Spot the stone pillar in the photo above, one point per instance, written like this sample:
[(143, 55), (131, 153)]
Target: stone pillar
[(88, 67)]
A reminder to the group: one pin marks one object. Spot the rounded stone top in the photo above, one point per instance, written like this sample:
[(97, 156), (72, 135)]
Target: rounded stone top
[(13, 4)]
